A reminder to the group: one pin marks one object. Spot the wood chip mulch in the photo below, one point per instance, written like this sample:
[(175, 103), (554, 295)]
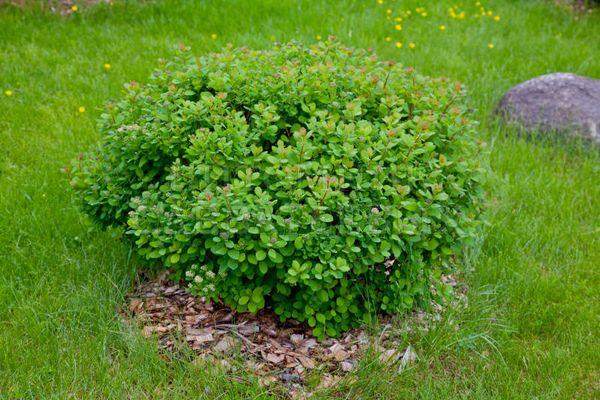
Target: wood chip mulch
[(274, 351)]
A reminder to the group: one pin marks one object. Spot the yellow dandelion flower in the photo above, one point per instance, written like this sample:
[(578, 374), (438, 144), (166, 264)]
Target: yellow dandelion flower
[(399, 45), (318, 37), (491, 45), (379, 1), (107, 66), (442, 27), (8, 92), (81, 109), (74, 8), (213, 36), (388, 11), (412, 45), (423, 14), (489, 13), (398, 19), (461, 15), (398, 27), (388, 39), (478, 3), (497, 18)]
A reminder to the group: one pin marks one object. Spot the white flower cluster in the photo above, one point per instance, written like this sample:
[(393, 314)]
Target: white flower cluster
[(201, 280)]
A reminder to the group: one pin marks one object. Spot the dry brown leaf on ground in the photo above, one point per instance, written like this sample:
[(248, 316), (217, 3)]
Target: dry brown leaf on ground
[(150, 329), (347, 366), (274, 358), (389, 356), (328, 381), (199, 338), (306, 362), (409, 357), (225, 345)]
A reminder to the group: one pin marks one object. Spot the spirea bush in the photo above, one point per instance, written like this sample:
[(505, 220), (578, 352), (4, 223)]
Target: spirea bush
[(317, 180)]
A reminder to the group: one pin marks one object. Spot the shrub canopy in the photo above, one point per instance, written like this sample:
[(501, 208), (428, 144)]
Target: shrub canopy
[(316, 180)]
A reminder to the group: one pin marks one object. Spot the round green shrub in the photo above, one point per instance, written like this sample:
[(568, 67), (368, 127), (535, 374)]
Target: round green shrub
[(316, 180)]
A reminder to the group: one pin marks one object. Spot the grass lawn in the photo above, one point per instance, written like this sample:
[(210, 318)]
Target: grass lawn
[(532, 328)]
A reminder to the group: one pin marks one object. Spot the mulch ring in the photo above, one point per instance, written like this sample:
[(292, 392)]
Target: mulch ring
[(274, 351)]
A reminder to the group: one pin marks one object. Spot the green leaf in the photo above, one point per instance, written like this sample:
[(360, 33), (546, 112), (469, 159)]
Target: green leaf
[(219, 249), (257, 295), (234, 254), (263, 268), (321, 318), (341, 264), (326, 217), (410, 205), (431, 245), (275, 256), (442, 196), (260, 255)]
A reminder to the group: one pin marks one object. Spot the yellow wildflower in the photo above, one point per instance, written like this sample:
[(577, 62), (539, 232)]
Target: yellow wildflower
[(399, 45), (388, 39), (8, 92), (491, 45), (442, 27), (107, 66), (388, 11), (74, 8), (213, 36), (81, 109), (398, 27), (497, 18), (398, 19), (412, 45), (318, 37), (379, 1)]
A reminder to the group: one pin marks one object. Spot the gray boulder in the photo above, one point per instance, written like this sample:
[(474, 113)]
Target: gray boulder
[(560, 102)]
